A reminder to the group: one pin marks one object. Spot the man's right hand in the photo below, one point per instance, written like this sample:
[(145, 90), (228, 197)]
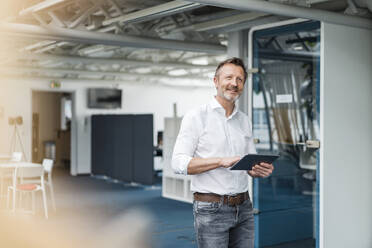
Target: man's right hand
[(229, 161)]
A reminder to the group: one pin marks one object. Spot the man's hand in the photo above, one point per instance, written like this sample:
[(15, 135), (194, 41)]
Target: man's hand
[(200, 165), (261, 170), (229, 161)]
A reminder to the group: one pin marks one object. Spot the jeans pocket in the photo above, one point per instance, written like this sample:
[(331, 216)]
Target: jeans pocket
[(201, 207)]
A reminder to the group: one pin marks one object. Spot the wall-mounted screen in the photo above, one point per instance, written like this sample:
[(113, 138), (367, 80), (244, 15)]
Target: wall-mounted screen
[(104, 98)]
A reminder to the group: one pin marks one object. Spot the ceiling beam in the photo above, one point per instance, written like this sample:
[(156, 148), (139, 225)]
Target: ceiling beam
[(151, 13), (63, 34), (228, 21), (105, 61), (189, 84), (291, 11), (43, 5), (223, 22), (56, 19), (249, 24), (38, 45), (83, 16), (22, 68)]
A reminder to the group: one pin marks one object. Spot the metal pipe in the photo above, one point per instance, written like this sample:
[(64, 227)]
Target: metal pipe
[(292, 11), (63, 34)]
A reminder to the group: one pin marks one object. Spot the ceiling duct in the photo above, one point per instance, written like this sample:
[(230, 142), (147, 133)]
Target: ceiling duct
[(292, 11), (63, 34), (364, 4)]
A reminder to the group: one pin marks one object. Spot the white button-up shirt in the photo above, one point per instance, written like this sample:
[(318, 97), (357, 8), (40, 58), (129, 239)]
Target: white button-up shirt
[(205, 133)]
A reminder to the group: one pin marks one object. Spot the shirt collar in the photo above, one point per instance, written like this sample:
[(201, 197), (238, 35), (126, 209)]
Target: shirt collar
[(214, 104)]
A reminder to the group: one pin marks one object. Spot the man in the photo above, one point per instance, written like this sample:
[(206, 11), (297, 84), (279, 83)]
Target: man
[(211, 139)]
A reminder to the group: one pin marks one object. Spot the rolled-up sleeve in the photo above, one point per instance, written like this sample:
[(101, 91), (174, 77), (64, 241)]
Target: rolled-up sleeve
[(185, 145)]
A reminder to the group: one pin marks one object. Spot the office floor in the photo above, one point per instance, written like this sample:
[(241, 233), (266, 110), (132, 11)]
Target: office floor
[(89, 204)]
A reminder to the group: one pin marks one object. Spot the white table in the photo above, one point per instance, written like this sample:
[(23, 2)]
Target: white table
[(5, 157), (13, 165)]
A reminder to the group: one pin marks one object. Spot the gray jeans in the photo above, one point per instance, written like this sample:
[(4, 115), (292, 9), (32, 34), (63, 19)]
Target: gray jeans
[(218, 225)]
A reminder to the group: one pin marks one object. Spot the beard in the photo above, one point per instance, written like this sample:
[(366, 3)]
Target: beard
[(225, 94)]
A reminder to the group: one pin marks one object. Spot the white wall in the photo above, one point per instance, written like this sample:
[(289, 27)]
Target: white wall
[(346, 136), (15, 99)]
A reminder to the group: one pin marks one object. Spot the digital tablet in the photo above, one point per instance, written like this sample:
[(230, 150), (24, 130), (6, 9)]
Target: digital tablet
[(248, 161)]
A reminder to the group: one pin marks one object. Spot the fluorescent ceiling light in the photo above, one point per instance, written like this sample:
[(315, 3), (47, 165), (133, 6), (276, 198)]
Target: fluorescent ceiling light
[(199, 61), (143, 70), (178, 72)]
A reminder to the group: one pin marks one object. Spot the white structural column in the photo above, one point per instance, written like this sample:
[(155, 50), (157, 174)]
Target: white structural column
[(237, 47), (346, 137)]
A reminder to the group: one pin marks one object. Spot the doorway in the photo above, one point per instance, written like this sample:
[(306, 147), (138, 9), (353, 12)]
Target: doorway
[(51, 127), (285, 95)]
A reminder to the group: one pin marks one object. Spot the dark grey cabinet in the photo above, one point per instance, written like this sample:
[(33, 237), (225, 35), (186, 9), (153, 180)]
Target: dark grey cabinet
[(122, 147)]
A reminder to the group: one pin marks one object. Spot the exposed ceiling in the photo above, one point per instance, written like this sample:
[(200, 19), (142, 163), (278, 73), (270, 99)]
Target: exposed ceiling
[(157, 41)]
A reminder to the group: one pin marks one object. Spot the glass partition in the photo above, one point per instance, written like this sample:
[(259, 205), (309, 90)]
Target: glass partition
[(286, 122)]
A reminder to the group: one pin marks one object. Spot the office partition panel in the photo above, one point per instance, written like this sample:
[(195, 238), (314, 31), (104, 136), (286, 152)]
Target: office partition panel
[(101, 145), (143, 162), (122, 147), (109, 145)]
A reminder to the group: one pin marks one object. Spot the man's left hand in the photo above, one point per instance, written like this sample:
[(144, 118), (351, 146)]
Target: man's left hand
[(261, 170)]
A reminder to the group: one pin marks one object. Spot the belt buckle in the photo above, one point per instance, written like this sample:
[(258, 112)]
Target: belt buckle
[(231, 200)]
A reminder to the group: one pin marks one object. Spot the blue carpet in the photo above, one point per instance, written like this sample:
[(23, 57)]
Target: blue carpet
[(96, 201), (105, 199)]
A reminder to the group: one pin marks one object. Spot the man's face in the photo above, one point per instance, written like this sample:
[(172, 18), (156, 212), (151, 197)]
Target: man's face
[(229, 82)]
